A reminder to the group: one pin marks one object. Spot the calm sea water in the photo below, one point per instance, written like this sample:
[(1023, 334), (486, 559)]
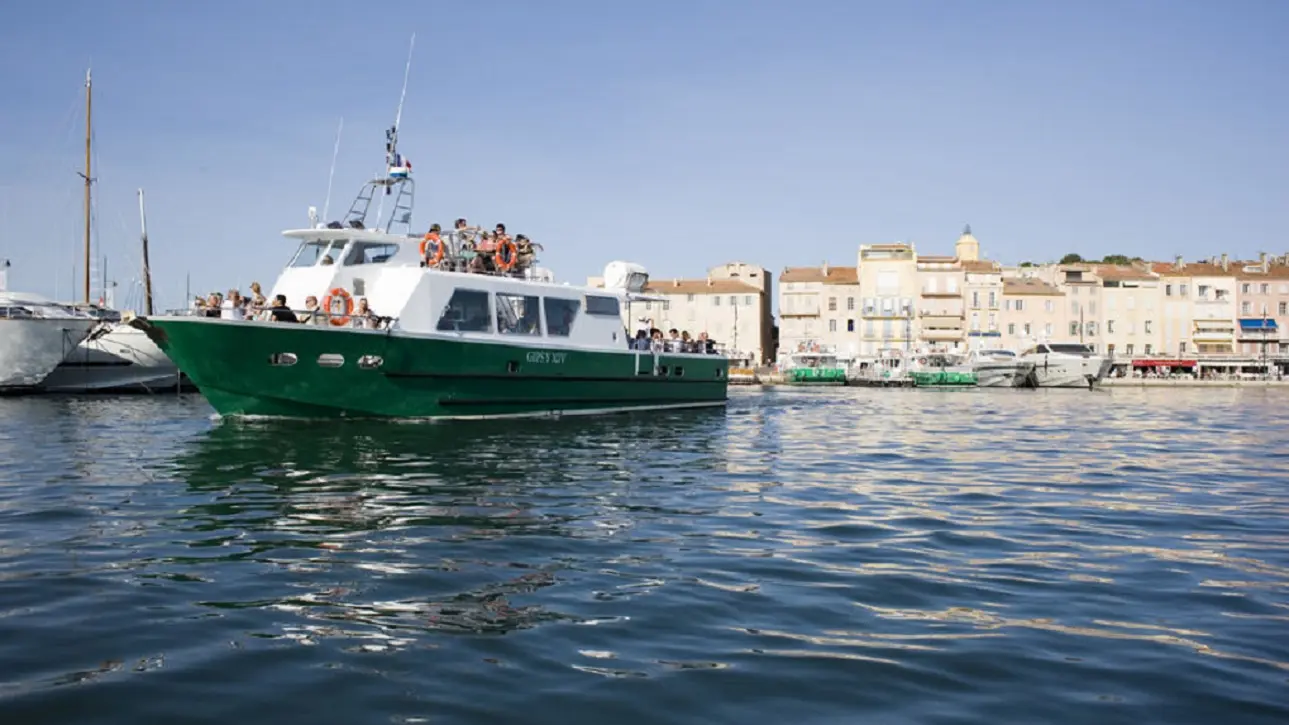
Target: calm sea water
[(806, 556)]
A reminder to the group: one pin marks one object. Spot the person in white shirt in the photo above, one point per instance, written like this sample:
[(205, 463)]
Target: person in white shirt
[(232, 308)]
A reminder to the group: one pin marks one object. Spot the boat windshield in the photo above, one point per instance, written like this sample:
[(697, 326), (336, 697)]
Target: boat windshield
[(1070, 348), (317, 251)]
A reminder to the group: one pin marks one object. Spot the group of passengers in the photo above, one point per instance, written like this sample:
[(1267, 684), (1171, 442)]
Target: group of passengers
[(236, 306), (478, 251), (674, 341)]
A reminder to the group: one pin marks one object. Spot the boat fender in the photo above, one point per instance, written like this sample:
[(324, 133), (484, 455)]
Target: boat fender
[(437, 255), (338, 298), (507, 255)]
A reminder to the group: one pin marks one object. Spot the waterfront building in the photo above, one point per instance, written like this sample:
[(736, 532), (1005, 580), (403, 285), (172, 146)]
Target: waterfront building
[(1082, 303), (1130, 309), (819, 306), (1033, 311), (1262, 296), (1177, 308), (941, 317), (888, 283), (732, 304), (982, 294), (1209, 290)]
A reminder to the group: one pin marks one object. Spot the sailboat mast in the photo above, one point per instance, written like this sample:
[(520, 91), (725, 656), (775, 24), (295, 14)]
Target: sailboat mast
[(88, 127), (147, 269)]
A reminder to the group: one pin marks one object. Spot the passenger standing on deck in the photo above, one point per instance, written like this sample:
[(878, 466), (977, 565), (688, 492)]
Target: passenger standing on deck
[(280, 312), (363, 317), (232, 308), (313, 314)]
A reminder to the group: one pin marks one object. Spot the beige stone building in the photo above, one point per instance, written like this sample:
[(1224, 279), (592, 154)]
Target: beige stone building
[(1205, 290), (888, 283), (1263, 298), (941, 318), (1033, 311), (733, 305), (1131, 310), (819, 305)]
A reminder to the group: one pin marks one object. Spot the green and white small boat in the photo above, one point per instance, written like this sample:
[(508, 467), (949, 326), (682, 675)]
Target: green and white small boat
[(449, 343), (813, 366), (941, 370)]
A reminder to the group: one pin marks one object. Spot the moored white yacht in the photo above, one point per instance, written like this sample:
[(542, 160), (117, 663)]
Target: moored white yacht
[(36, 334), (1000, 368), (1066, 365), (114, 358)]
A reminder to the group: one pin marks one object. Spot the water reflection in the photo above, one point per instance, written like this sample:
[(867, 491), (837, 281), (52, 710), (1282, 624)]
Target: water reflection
[(1009, 556)]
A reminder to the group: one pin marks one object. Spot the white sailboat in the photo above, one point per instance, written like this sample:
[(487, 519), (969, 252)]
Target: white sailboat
[(115, 357)]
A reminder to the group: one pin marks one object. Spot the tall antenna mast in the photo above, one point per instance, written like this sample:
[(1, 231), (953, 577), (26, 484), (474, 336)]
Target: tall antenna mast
[(392, 147), (88, 180), (334, 153), (147, 270)]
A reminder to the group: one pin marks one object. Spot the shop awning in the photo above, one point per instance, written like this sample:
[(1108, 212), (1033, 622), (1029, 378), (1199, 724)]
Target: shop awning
[(1163, 363), (1257, 324)]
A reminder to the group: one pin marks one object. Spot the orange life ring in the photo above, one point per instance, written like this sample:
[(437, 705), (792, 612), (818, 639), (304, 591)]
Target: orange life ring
[(425, 243), (506, 266), (336, 295)]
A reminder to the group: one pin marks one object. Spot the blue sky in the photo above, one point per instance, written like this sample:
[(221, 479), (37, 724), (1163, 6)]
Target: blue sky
[(679, 134)]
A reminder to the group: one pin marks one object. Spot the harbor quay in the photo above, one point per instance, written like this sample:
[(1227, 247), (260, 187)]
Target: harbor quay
[(1218, 320)]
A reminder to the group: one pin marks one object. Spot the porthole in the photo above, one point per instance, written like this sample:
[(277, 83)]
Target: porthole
[(283, 359), (330, 360), (370, 362), (720, 373), (678, 371)]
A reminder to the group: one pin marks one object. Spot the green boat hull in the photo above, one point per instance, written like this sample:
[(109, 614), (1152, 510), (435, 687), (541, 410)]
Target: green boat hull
[(817, 376), (941, 378), (240, 368)]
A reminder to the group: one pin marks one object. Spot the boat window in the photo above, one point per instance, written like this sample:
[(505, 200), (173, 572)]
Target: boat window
[(1070, 348), (369, 253), (517, 315), (312, 252), (331, 360), (282, 359), (467, 311), (15, 313), (560, 314), (599, 305)]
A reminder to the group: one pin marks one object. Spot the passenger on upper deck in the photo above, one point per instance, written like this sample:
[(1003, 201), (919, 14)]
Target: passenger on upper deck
[(433, 253), (524, 246)]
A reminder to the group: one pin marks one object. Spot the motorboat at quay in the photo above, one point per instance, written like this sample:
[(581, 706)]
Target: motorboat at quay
[(451, 342), (1066, 365), (36, 334)]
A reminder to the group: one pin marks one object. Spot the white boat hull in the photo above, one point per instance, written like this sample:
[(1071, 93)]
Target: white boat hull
[(1003, 374), (31, 348), (1059, 371), (121, 359)]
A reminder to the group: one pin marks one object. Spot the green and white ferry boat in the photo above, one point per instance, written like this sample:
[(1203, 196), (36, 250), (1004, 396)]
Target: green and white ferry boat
[(449, 343), (813, 365), (941, 370)]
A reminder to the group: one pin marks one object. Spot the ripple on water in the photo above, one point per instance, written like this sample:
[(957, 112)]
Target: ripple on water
[(806, 555)]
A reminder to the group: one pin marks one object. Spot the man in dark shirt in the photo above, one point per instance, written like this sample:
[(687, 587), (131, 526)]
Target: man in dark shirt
[(280, 312)]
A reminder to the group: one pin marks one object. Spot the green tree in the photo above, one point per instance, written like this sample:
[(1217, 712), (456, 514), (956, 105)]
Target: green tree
[(1071, 258), (1116, 259)]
